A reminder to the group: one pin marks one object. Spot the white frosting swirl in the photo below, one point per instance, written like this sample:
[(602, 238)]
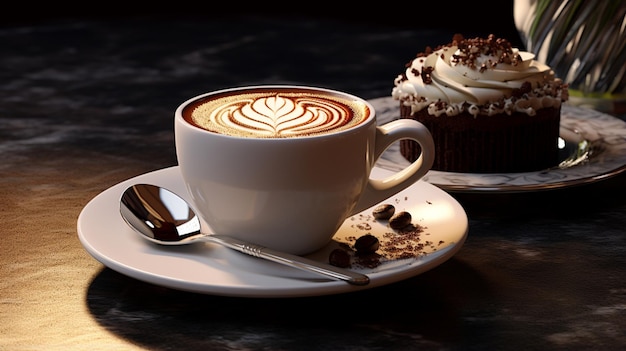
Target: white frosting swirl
[(480, 76), (278, 114)]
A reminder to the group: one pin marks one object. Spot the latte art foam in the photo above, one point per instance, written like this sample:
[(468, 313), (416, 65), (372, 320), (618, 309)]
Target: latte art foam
[(276, 114)]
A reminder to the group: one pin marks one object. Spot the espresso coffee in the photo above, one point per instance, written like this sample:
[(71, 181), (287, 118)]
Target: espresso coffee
[(276, 113)]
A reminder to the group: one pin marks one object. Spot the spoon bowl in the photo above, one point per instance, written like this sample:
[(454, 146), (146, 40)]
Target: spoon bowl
[(165, 218)]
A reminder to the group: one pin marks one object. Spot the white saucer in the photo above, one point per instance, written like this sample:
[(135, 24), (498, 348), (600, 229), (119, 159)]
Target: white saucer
[(603, 135), (212, 269)]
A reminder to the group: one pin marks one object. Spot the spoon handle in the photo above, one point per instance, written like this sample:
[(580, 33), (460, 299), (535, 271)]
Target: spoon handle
[(294, 261)]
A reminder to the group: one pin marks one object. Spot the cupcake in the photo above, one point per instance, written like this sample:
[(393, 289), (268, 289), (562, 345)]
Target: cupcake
[(491, 108)]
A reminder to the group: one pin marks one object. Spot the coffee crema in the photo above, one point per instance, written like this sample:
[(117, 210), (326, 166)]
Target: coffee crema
[(276, 113)]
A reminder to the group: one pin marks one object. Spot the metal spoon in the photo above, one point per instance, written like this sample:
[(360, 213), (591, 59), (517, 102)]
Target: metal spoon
[(163, 217)]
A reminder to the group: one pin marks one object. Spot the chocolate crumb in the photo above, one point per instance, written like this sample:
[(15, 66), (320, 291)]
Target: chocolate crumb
[(371, 260), (405, 242), (339, 258), (364, 226)]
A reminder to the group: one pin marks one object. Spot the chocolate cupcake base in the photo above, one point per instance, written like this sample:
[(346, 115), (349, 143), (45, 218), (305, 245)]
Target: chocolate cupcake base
[(489, 144)]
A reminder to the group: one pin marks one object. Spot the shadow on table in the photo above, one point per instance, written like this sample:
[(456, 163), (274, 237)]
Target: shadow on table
[(426, 310)]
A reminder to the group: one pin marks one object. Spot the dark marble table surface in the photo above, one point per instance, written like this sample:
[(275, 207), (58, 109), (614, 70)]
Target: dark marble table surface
[(86, 104)]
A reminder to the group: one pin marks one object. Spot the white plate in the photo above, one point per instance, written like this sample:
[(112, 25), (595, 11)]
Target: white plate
[(212, 269), (602, 135)]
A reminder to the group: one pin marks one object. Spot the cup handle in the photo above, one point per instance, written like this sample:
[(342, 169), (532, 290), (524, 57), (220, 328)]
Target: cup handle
[(378, 190)]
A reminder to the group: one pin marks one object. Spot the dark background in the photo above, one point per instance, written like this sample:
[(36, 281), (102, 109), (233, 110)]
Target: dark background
[(469, 18)]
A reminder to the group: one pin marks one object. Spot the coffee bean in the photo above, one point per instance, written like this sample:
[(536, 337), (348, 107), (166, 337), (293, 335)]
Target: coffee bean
[(366, 244), (384, 211), (400, 220), (339, 258)]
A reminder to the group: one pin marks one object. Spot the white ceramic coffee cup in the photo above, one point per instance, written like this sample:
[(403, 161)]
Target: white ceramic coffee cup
[(291, 193)]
